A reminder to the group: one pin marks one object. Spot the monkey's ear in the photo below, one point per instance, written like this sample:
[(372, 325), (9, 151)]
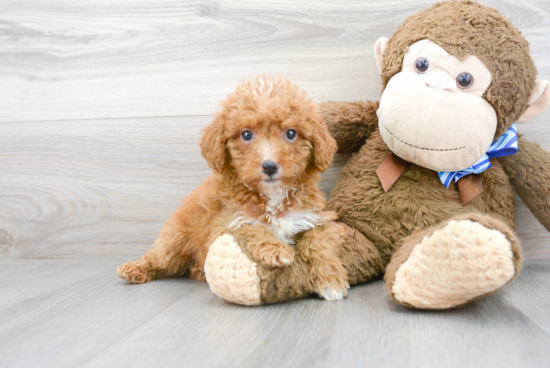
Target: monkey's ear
[(538, 102), (379, 48), (213, 145), (324, 146)]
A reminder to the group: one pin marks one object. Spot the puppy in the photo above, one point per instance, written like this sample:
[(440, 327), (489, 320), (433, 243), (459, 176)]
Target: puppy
[(266, 146)]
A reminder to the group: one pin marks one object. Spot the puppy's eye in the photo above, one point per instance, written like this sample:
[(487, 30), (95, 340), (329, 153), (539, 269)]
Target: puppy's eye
[(291, 135), (464, 80), (246, 136), (421, 65)]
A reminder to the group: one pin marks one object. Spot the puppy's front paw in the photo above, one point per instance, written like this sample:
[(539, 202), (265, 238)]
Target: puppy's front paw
[(134, 272), (272, 254), (333, 283), (329, 292)]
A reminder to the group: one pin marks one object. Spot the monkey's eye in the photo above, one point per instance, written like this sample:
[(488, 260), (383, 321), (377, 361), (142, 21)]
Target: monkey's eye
[(421, 65), (464, 80), (291, 135), (246, 136)]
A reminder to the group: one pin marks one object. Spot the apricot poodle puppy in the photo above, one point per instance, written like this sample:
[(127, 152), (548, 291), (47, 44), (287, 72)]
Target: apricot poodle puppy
[(266, 146)]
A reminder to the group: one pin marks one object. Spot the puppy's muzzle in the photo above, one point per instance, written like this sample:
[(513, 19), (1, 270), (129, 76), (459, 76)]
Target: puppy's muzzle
[(270, 168)]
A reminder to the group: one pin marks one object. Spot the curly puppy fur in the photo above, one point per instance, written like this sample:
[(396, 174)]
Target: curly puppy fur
[(271, 211)]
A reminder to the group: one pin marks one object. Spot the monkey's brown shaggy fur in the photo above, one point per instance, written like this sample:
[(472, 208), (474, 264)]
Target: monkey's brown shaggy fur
[(239, 198), (378, 223), (418, 201)]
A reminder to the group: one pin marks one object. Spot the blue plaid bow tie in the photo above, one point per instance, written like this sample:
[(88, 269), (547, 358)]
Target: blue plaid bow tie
[(505, 145)]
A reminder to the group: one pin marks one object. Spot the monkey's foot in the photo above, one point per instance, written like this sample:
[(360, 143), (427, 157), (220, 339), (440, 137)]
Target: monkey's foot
[(461, 260), (230, 274), (233, 275)]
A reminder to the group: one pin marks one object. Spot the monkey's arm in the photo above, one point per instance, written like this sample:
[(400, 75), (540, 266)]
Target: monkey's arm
[(350, 123), (529, 172)]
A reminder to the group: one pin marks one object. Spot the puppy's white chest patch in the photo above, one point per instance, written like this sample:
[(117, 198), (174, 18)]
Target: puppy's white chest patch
[(285, 227)]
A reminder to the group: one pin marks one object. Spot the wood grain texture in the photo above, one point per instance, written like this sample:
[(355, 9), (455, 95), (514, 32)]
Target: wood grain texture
[(98, 188), (56, 313), (102, 104), (92, 59), (91, 189)]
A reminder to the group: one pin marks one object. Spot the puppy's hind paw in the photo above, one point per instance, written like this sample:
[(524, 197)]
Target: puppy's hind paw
[(134, 272), (331, 293)]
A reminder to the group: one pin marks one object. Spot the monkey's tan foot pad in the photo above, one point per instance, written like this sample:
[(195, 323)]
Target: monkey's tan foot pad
[(231, 275), (460, 262)]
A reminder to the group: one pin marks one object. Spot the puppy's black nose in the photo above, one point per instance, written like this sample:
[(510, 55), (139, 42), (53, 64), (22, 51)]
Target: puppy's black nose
[(270, 167)]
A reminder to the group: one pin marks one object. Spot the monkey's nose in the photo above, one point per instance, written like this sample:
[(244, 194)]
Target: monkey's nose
[(269, 167), (440, 81)]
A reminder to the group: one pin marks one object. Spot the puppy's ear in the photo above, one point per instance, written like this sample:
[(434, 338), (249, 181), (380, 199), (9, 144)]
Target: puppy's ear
[(324, 146), (213, 145)]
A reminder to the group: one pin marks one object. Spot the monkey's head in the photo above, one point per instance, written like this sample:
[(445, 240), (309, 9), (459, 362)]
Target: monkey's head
[(455, 77)]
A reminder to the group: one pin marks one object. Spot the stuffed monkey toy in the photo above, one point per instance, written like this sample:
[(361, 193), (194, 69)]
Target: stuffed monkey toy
[(427, 199)]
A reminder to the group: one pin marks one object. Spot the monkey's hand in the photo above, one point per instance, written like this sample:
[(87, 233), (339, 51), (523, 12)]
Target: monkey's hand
[(529, 172), (350, 123)]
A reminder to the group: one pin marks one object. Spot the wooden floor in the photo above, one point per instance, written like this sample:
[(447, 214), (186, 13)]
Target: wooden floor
[(77, 313), (101, 105)]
